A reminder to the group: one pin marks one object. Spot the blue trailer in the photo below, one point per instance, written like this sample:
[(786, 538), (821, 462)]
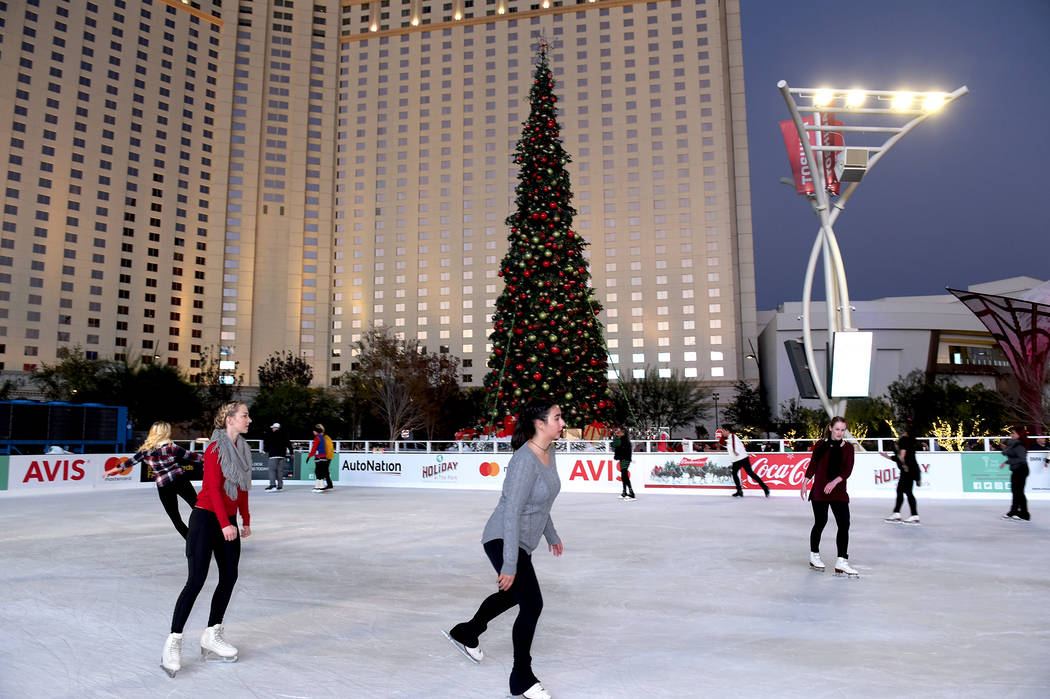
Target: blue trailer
[(30, 427)]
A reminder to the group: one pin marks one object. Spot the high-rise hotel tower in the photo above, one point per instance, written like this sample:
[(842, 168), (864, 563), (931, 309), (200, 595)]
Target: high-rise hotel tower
[(251, 176)]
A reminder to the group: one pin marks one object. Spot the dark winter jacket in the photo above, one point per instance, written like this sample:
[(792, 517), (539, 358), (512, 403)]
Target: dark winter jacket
[(910, 445), (622, 449), (913, 472), (276, 444), (1016, 454), (830, 460)]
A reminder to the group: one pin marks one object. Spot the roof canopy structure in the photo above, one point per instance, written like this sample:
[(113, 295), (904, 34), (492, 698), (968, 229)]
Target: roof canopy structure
[(1021, 327)]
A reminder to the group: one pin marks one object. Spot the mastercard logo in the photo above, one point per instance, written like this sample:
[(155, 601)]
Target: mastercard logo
[(116, 462), (489, 468)]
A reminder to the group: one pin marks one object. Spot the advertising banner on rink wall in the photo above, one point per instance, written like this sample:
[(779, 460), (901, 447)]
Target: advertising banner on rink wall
[(53, 472), (983, 472), (944, 474), (665, 472)]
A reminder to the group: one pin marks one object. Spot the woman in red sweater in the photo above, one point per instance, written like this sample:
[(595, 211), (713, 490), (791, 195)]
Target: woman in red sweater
[(829, 467), (213, 532)]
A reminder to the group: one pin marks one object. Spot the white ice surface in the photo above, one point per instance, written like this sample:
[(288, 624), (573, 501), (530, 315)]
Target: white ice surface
[(345, 594)]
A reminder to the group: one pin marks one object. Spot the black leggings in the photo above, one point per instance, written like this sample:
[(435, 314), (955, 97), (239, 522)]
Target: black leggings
[(745, 463), (904, 488), (820, 518), (1019, 506), (169, 498), (626, 478), (205, 540), (525, 593), (322, 472)]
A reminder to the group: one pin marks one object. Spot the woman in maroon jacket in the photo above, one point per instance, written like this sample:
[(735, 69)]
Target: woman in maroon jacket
[(829, 467), (213, 532)]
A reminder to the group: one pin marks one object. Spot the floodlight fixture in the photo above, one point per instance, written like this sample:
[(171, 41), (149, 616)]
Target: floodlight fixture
[(823, 98), (933, 101), (902, 101), (825, 166), (855, 98)]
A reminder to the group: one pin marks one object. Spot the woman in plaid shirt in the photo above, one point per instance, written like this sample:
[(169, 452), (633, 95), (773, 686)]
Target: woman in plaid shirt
[(164, 458)]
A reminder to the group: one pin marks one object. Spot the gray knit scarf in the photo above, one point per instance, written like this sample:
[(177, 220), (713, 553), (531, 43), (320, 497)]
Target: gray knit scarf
[(236, 462)]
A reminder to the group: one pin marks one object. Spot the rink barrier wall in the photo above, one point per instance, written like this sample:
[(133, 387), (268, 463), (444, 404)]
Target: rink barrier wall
[(944, 474)]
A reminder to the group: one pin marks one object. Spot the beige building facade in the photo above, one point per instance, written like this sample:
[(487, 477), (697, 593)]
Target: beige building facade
[(249, 177)]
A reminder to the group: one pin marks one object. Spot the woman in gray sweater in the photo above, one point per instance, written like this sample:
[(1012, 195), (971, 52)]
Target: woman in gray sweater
[(511, 535)]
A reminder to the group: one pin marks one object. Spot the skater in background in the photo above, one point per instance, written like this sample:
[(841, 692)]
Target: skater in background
[(829, 467), (1016, 453), (910, 476), (323, 451), (165, 458), (729, 439), (511, 535), (622, 451), (213, 532), (277, 448)]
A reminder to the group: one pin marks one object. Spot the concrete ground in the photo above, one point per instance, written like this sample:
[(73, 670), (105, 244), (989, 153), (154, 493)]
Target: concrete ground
[(345, 594)]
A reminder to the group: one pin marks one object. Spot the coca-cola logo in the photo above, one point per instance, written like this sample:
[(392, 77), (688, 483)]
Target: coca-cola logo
[(782, 471)]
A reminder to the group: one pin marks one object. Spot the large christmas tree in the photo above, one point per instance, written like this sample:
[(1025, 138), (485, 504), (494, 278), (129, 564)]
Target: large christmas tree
[(546, 339)]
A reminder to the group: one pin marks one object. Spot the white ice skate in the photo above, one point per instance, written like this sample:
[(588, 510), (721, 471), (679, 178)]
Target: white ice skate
[(171, 657), (536, 691), (474, 654), (215, 647), (842, 567), (815, 563), (914, 519), (895, 517)]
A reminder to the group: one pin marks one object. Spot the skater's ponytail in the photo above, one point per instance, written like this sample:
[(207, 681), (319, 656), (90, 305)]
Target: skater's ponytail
[(525, 427)]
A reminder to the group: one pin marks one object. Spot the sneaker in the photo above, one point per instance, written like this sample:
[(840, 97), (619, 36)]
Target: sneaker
[(914, 519), (895, 517), (475, 654), (815, 563), (842, 567)]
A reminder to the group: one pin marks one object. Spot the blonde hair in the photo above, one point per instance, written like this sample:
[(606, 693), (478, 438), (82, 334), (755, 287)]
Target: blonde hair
[(226, 411), (159, 435)]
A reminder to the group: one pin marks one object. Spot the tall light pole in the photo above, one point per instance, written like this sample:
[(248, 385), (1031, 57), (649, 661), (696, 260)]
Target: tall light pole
[(714, 396), (821, 161)]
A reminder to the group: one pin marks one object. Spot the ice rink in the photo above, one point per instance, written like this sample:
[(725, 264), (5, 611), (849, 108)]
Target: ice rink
[(345, 594)]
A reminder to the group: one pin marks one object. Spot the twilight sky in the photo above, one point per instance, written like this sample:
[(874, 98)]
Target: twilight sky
[(960, 200)]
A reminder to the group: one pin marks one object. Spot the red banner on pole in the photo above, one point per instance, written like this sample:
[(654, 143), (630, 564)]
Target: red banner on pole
[(800, 166)]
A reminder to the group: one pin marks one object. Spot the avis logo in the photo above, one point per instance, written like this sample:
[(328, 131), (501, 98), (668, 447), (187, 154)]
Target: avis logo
[(489, 468), (117, 462), (606, 470), (60, 470)]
